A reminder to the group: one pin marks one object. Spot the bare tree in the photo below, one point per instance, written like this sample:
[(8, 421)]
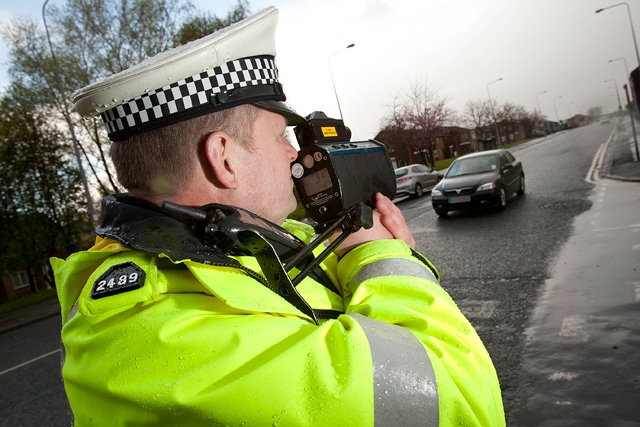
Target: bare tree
[(594, 112), (509, 116), (534, 124), (394, 133), (478, 117), (427, 114), (418, 119)]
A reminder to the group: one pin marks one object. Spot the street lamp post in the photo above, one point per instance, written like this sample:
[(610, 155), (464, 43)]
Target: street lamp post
[(331, 75), (555, 107), (541, 123), (76, 145), (633, 33), (538, 100), (626, 69), (615, 86), (495, 123)]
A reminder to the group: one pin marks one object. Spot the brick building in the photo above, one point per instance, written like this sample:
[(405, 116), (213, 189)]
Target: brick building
[(24, 282)]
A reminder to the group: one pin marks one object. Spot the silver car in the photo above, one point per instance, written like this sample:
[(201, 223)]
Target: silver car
[(414, 180)]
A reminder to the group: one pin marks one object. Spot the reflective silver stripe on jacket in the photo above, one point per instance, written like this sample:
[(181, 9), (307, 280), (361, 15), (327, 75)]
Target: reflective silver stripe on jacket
[(405, 389), (395, 267), (63, 352)]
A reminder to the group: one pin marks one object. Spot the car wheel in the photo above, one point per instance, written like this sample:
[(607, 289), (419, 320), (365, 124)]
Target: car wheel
[(520, 191), (503, 198), (441, 213), (418, 189)]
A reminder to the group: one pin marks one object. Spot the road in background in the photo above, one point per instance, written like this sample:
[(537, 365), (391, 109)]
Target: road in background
[(581, 360), (31, 388), (496, 264)]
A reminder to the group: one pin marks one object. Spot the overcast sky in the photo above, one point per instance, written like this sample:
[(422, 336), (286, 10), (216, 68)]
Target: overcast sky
[(457, 46)]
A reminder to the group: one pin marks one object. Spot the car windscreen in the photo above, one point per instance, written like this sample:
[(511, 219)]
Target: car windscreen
[(401, 172), (472, 165)]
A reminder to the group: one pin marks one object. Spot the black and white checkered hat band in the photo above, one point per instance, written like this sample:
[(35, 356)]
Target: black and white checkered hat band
[(190, 93)]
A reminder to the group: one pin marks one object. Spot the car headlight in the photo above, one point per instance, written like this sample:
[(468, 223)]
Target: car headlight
[(436, 193), (487, 186)]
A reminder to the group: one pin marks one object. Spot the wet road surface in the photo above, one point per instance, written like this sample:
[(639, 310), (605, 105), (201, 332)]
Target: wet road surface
[(581, 362)]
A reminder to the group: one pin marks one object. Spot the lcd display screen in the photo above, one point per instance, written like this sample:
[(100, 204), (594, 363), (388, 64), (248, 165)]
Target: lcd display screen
[(316, 182)]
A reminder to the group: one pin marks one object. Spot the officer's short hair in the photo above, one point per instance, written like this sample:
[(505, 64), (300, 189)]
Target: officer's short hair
[(161, 161)]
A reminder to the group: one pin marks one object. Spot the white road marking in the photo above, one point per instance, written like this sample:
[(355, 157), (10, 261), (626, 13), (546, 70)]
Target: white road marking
[(637, 285), (574, 326), (593, 174), (477, 309), (633, 227), (563, 376), (35, 359)]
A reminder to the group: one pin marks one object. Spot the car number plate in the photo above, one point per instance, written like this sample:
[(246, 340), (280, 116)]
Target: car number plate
[(459, 199)]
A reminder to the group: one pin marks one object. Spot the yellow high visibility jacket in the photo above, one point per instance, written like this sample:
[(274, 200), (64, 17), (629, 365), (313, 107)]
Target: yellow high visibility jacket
[(151, 340)]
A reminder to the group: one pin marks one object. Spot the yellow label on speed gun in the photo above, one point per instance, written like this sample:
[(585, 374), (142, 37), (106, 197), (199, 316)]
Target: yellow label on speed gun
[(329, 132)]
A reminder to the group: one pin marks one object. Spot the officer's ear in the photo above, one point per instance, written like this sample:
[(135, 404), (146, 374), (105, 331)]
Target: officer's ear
[(219, 150)]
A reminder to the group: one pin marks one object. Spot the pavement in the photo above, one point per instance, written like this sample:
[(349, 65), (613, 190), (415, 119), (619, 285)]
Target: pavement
[(25, 315), (619, 161)]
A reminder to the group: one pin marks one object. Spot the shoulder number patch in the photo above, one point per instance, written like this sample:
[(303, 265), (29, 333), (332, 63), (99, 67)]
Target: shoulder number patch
[(117, 279)]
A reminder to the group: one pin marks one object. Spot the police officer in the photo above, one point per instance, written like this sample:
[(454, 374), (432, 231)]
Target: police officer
[(162, 327)]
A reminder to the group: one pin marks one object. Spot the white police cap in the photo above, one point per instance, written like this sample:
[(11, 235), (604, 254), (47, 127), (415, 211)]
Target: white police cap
[(233, 66)]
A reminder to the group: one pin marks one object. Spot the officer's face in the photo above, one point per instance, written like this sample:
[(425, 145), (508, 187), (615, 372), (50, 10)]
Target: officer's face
[(268, 185)]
